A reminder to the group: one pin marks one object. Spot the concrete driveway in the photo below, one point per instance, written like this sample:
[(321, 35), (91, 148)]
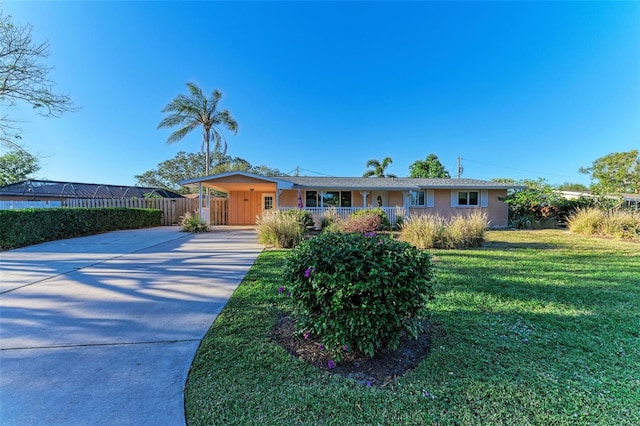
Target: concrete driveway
[(103, 329)]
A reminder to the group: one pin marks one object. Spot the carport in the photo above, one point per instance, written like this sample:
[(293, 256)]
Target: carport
[(249, 195)]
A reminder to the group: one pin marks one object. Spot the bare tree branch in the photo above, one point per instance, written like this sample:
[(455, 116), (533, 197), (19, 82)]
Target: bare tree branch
[(24, 79)]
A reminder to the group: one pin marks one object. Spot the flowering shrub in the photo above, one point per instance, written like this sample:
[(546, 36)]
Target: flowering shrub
[(384, 220), (362, 223), (360, 292)]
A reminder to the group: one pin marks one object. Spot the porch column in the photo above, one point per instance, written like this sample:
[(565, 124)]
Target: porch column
[(321, 193), (407, 202), (200, 200), (278, 198), (364, 198)]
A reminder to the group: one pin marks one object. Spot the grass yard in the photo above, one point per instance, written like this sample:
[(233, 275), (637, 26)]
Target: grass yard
[(536, 327)]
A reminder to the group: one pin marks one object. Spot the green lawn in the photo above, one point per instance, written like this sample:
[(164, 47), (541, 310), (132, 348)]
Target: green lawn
[(537, 327)]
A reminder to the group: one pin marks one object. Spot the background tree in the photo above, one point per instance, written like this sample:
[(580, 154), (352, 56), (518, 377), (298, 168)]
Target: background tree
[(196, 110), (191, 165), (615, 173), (23, 78), (379, 168), (431, 167), (17, 165), (568, 186)]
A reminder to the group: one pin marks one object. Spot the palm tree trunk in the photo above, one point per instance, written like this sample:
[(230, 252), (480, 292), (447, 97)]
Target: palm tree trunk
[(206, 134)]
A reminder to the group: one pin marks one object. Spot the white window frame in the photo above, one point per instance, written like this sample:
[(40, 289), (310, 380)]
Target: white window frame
[(273, 200), (429, 200), (483, 198), (411, 197)]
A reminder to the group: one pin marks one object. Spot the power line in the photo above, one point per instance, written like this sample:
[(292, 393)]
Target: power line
[(297, 170), (521, 170)]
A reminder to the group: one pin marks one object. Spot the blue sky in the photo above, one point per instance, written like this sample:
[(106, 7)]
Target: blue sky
[(517, 89)]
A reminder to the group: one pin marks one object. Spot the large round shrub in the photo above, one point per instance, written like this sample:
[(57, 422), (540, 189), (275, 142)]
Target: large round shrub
[(362, 291)]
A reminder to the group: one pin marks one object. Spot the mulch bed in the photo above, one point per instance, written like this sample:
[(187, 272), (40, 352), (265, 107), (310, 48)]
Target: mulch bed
[(384, 368)]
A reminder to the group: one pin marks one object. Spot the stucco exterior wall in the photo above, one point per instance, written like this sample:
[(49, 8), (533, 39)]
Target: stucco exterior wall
[(497, 211), (289, 198), (395, 199)]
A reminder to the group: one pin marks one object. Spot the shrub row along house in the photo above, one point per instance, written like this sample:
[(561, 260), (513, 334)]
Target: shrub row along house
[(250, 195)]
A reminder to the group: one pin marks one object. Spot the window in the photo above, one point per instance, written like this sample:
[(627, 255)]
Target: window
[(422, 198), (468, 198), (417, 198), (311, 199), (345, 199), (329, 198), (267, 202)]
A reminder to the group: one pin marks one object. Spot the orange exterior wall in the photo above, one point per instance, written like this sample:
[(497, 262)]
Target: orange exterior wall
[(395, 198), (289, 198), (497, 211), (244, 207)]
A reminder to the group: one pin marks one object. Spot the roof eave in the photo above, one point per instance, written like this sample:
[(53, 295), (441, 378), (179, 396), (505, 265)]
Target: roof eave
[(195, 182)]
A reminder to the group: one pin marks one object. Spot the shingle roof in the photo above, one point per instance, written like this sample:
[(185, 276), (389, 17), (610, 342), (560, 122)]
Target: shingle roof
[(47, 188), (391, 183), (360, 183)]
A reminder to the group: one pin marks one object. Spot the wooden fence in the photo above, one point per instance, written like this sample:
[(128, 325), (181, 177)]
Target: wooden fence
[(172, 208), (219, 212)]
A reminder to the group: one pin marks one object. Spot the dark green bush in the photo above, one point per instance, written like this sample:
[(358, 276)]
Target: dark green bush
[(384, 220), (304, 217), (19, 228), (363, 291)]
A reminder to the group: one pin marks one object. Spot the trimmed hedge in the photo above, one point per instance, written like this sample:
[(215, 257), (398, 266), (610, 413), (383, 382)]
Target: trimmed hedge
[(19, 228)]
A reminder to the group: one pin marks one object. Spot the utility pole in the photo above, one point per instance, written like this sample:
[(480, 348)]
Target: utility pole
[(460, 168)]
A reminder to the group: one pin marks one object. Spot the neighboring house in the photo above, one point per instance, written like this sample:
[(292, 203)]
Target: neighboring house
[(630, 200), (47, 190), (250, 195)]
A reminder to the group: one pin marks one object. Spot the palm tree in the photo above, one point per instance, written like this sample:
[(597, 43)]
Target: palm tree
[(196, 110), (379, 168)]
